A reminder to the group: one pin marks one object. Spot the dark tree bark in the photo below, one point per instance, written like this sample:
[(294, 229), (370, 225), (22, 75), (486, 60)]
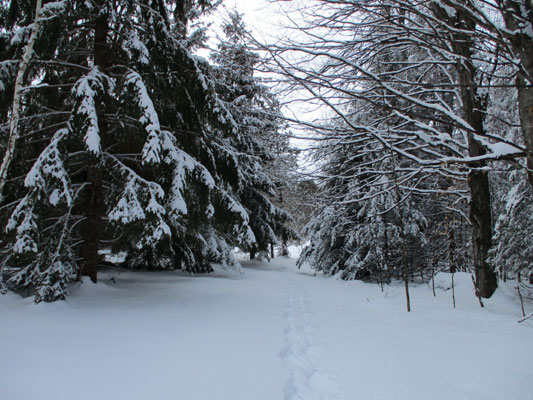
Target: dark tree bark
[(94, 201), (92, 226), (473, 108), (480, 217), (480, 203), (284, 246)]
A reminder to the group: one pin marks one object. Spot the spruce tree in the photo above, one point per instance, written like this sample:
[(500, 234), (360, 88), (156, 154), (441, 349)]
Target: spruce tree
[(126, 146), (356, 230), (512, 251), (263, 148)]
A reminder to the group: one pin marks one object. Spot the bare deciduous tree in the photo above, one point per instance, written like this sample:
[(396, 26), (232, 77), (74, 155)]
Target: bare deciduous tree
[(423, 72)]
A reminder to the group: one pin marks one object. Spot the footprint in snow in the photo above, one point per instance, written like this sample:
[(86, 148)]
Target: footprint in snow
[(308, 377)]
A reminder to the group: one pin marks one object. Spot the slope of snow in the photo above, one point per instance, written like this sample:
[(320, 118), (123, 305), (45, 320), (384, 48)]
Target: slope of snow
[(274, 333)]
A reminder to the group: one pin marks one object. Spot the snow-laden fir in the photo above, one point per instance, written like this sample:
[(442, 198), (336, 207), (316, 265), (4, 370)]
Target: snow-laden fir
[(133, 146)]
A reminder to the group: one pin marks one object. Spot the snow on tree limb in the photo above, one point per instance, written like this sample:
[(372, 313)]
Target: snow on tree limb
[(88, 90), (16, 108), (48, 169), (149, 119), (140, 201), (530, 315), (49, 10)]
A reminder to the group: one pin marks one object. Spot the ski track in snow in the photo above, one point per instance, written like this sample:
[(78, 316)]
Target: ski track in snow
[(308, 377)]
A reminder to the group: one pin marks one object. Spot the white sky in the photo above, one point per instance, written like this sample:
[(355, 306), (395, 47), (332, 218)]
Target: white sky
[(266, 20), (255, 12), (263, 17)]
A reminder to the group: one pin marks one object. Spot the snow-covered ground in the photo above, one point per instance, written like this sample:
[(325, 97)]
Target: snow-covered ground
[(274, 333)]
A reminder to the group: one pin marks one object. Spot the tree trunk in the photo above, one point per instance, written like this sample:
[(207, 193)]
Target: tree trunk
[(94, 204), (453, 289), (92, 226), (15, 111), (481, 219), (402, 235), (284, 249), (433, 277), (478, 182), (453, 267)]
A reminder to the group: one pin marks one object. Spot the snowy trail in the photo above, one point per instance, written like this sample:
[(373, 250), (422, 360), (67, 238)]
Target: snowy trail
[(308, 378), (274, 333)]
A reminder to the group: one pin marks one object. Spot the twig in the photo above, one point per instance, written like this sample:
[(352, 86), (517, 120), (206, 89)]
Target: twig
[(478, 295), (526, 317)]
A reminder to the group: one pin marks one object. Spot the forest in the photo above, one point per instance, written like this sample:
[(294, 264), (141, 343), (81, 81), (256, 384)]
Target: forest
[(123, 147), (266, 199)]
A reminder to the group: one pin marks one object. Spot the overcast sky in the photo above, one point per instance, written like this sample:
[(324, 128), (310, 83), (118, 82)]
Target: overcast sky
[(263, 17), (258, 14)]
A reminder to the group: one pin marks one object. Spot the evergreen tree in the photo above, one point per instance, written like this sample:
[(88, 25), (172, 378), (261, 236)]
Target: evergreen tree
[(512, 241), (130, 147), (357, 231), (257, 115), (513, 245)]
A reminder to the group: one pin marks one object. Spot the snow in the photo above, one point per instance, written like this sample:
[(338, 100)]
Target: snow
[(128, 208), (20, 34), (53, 7), (86, 90), (134, 43), (449, 10), (50, 165), (8, 70), (149, 118), (25, 242), (184, 165), (243, 230), (275, 332)]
